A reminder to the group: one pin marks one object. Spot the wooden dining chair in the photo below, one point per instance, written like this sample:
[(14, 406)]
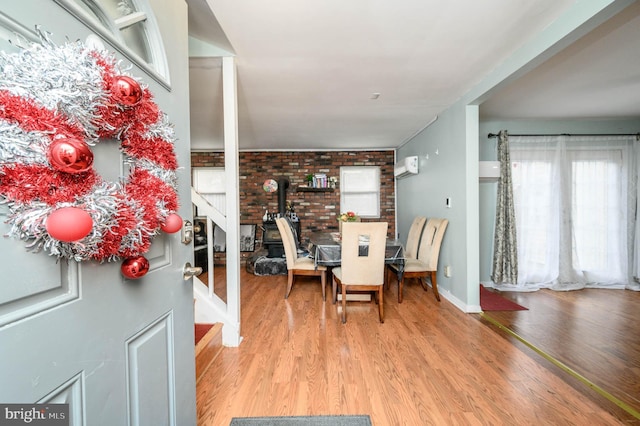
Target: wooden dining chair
[(426, 264), (298, 265), (361, 269)]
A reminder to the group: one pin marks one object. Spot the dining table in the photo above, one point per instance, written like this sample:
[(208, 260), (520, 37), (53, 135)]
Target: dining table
[(325, 249)]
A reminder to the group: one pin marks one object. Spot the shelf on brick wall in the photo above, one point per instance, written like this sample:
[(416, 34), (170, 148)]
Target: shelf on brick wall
[(309, 189)]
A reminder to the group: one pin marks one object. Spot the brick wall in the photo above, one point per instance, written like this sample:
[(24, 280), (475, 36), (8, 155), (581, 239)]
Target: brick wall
[(317, 210)]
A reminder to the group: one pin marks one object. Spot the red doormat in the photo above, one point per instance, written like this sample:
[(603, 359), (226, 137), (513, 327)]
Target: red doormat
[(201, 330), (492, 301)]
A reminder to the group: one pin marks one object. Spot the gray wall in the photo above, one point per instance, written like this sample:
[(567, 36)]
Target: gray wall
[(442, 174)]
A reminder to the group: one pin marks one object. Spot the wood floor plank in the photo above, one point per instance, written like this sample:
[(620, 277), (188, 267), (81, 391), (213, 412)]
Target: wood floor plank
[(427, 364)]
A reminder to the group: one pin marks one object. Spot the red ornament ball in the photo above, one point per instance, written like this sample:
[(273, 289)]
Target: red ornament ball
[(135, 267), (69, 224), (126, 90), (172, 224), (70, 155)]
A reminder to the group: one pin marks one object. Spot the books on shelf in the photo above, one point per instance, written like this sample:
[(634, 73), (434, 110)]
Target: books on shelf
[(320, 180)]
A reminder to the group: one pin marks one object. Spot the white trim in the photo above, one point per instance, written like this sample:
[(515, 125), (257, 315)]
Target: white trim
[(410, 138), (159, 71), (298, 150), (231, 335), (206, 209), (129, 20), (468, 309)]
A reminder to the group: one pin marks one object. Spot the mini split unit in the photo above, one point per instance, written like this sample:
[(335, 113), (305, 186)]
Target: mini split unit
[(489, 171), (406, 167)]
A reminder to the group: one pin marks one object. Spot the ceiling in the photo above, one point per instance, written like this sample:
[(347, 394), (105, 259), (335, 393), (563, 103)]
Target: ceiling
[(597, 77), (308, 72)]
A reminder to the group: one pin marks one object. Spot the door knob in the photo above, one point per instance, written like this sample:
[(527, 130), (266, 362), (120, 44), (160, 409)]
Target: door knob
[(189, 271)]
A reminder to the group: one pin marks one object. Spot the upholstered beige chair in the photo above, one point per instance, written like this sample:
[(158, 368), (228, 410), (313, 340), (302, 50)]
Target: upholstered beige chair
[(298, 265), (413, 239), (411, 248), (361, 270), (426, 263)]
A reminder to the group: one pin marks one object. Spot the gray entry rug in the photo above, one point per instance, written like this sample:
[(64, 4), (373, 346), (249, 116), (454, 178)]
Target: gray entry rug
[(302, 421)]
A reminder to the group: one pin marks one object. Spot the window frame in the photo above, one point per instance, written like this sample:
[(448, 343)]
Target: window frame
[(99, 22), (357, 183)]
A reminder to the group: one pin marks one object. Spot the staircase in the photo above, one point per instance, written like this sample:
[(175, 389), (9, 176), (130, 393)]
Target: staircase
[(209, 308)]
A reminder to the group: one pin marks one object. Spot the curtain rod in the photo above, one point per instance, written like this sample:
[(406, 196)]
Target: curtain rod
[(637, 135)]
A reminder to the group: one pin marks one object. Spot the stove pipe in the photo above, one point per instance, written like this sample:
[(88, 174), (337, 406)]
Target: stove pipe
[(283, 184)]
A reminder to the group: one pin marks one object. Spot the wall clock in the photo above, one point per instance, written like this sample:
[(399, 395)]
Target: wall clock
[(270, 185)]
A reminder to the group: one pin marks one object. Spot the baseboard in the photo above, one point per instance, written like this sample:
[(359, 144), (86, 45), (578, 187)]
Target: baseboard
[(467, 309)]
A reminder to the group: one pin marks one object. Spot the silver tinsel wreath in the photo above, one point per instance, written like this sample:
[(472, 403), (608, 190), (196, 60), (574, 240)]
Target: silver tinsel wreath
[(68, 80)]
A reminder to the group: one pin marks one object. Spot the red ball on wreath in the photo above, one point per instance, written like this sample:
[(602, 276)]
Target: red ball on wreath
[(135, 267), (126, 90), (69, 224), (172, 224), (70, 155)]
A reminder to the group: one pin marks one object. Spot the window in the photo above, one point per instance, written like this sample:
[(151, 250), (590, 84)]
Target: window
[(210, 183), (597, 197), (360, 190), (129, 24), (571, 204)]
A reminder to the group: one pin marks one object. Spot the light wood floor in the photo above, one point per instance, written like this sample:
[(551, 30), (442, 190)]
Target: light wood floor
[(428, 364)]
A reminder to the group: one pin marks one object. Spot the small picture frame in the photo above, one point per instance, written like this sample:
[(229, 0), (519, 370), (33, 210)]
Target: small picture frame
[(247, 237)]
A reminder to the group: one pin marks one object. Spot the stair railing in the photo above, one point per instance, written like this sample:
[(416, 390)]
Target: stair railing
[(209, 307)]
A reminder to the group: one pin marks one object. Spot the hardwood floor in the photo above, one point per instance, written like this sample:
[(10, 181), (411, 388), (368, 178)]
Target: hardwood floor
[(594, 332), (428, 363)]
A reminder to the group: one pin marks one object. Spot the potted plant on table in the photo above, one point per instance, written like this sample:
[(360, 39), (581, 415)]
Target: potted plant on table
[(347, 217)]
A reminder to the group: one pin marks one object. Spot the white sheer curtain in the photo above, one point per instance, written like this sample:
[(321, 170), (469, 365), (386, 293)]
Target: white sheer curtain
[(575, 205)]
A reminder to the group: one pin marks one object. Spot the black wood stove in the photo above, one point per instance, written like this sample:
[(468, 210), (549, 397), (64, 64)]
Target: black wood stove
[(271, 238)]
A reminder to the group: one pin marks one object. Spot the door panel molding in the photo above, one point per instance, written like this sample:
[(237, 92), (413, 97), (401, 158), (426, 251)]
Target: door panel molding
[(71, 392), (150, 374), (28, 301), (159, 253)]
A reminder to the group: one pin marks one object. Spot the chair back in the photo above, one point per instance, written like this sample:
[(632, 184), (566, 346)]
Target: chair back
[(431, 241), (363, 266), (413, 239), (290, 248)]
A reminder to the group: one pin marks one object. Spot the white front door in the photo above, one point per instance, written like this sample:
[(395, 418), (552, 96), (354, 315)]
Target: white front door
[(119, 351)]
